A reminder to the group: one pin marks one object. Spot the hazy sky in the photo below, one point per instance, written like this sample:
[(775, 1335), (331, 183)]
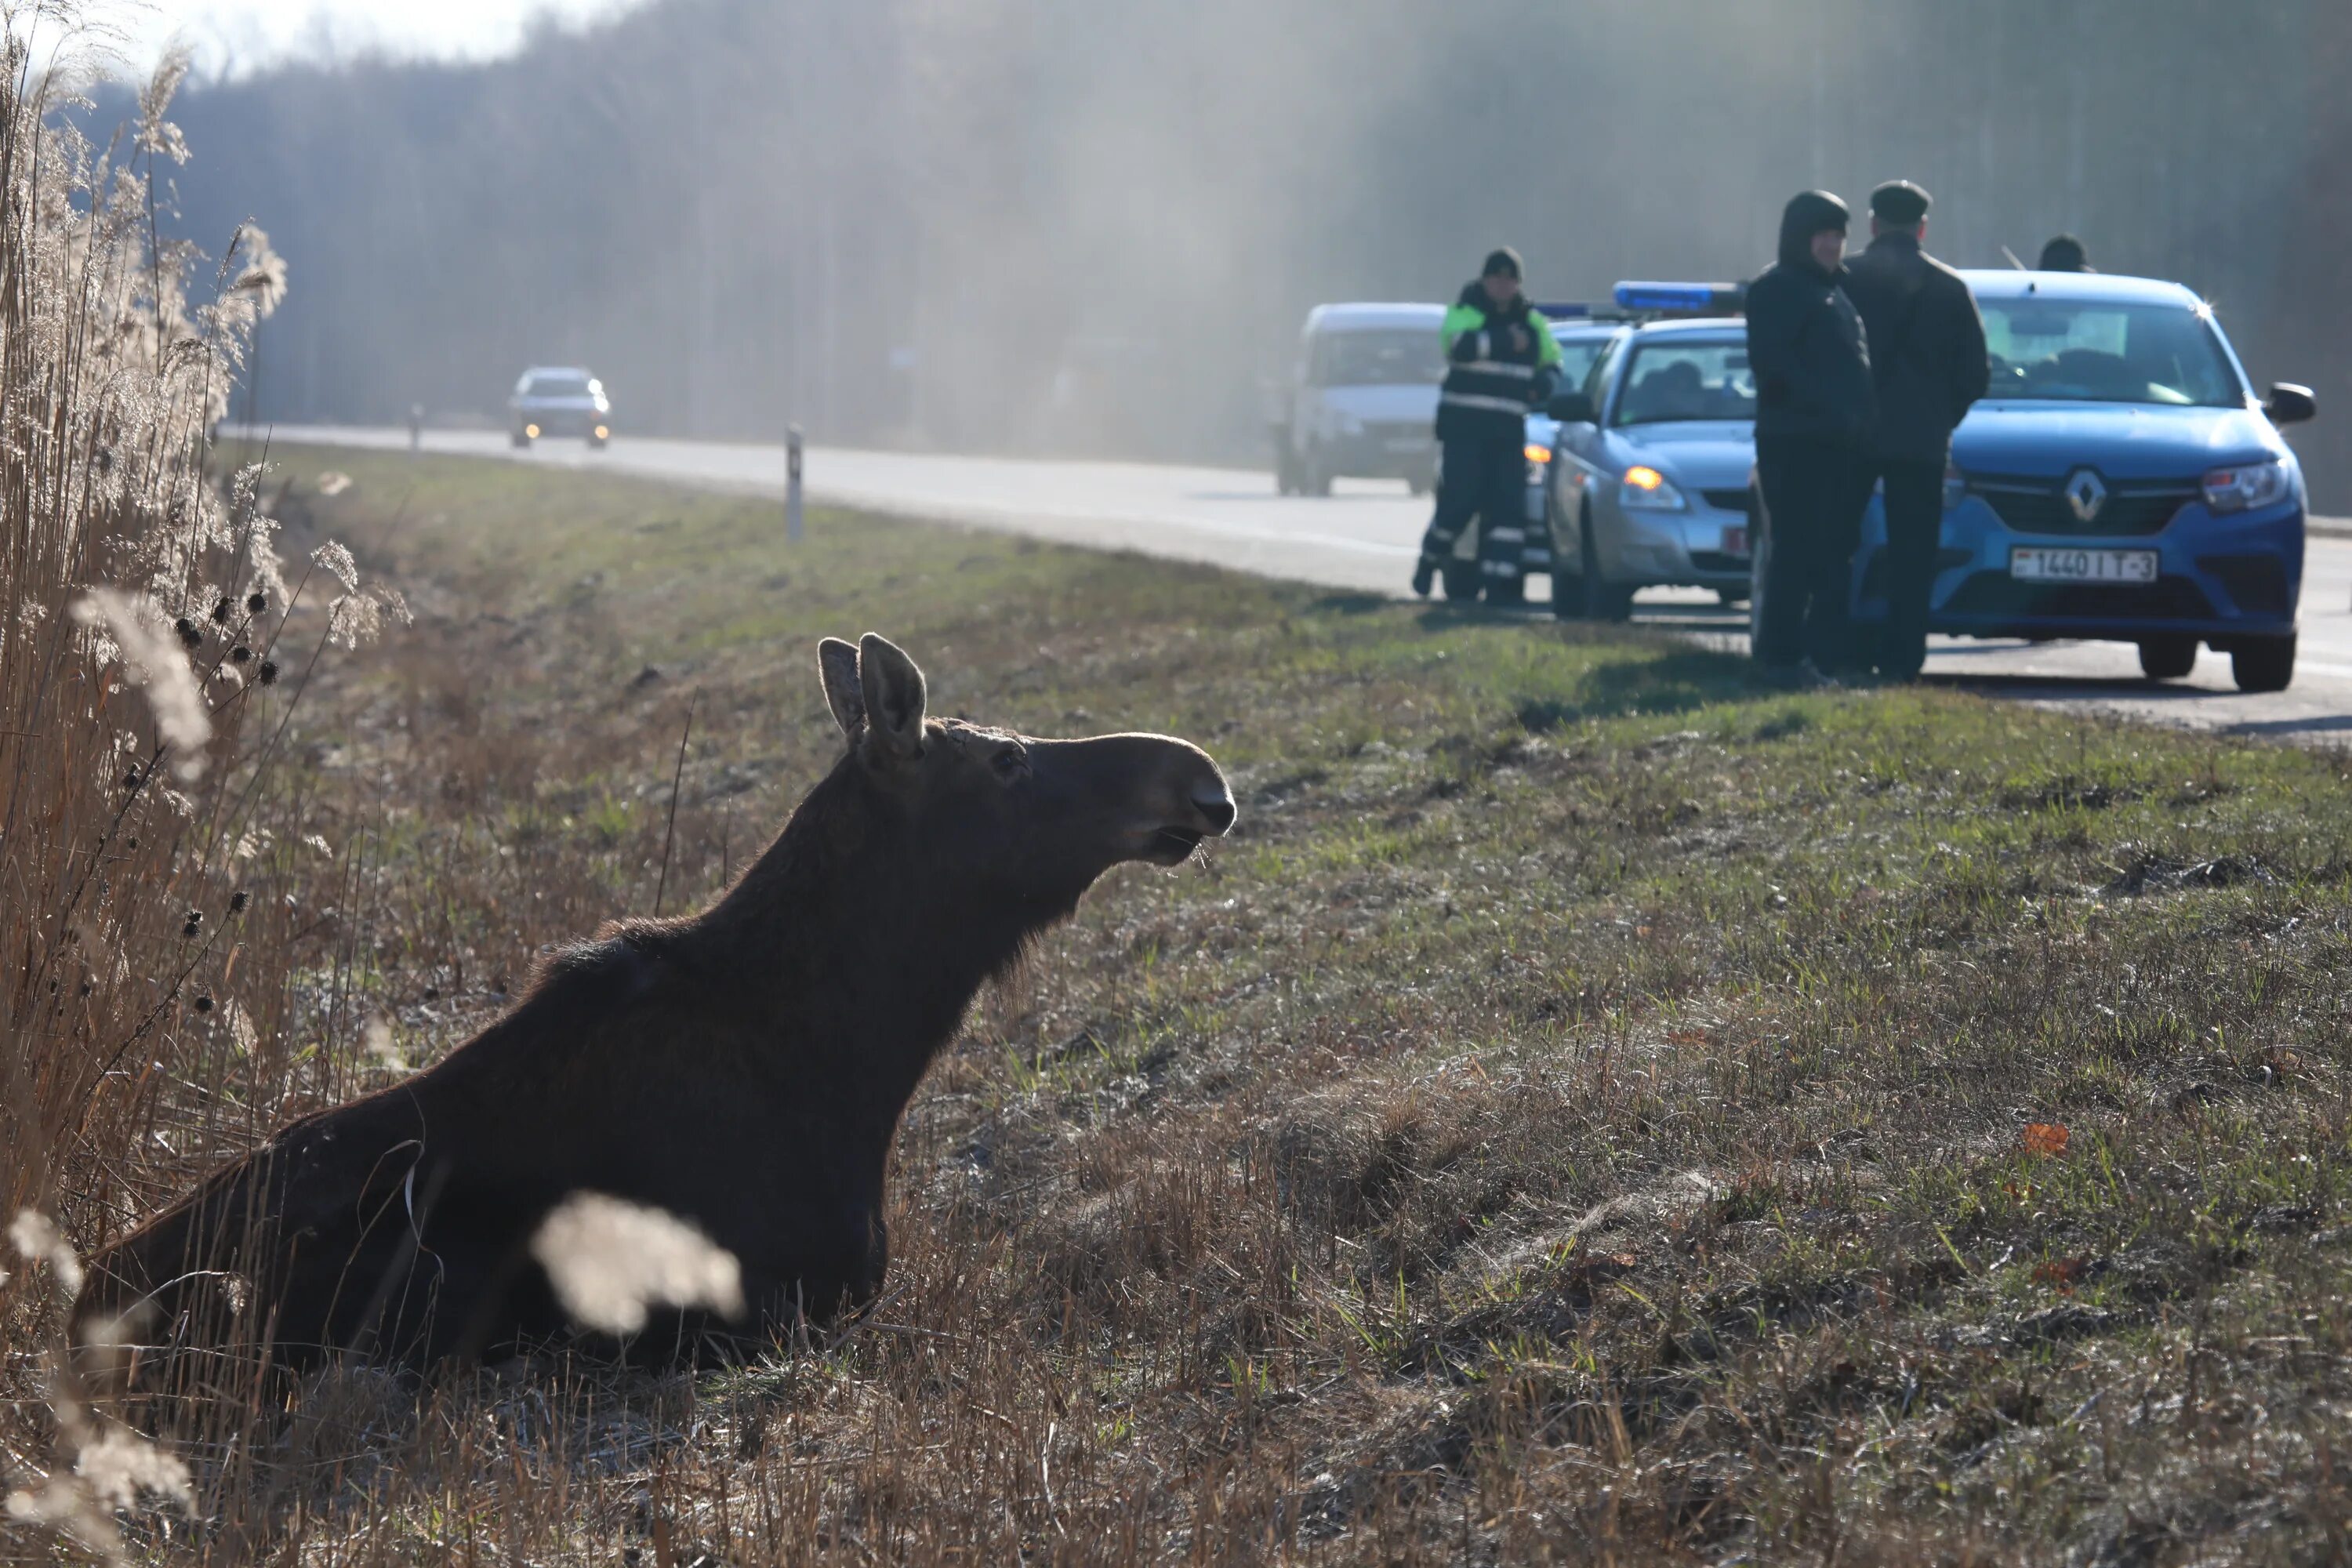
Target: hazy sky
[(239, 34)]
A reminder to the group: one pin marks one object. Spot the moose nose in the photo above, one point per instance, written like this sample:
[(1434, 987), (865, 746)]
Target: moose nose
[(1218, 809)]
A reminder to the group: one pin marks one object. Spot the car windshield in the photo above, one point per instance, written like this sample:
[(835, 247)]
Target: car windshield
[(2093, 350), (1673, 380), (556, 386), (1576, 357), (1383, 357)]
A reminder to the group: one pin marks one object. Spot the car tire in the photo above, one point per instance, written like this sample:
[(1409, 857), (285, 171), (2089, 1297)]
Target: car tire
[(1463, 579), (2263, 664), (597, 443), (1286, 464), (1420, 484), (1314, 478), (1603, 600), (1567, 586), (522, 441), (2167, 658)]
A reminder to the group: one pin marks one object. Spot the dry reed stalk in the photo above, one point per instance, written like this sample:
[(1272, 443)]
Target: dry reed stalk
[(144, 962)]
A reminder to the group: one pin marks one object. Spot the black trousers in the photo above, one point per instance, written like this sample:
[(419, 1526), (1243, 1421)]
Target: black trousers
[(1814, 492), (1915, 531), (1485, 476)]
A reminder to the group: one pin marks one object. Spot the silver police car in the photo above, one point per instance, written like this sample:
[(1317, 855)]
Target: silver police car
[(1649, 482)]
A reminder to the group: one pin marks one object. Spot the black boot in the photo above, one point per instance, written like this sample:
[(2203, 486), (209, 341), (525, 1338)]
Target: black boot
[(1424, 574)]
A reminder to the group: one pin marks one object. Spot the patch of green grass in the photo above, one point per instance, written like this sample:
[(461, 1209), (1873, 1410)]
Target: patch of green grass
[(1583, 1107)]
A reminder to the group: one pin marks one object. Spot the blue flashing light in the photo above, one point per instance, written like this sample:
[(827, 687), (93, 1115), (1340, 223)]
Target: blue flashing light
[(1675, 296), (1564, 311)]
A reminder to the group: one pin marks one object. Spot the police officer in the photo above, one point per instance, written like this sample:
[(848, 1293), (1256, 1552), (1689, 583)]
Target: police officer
[(2066, 254), (1503, 361), (1810, 358), (1927, 364)]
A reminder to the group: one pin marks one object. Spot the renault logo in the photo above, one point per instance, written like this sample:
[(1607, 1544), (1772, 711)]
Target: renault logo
[(2085, 493)]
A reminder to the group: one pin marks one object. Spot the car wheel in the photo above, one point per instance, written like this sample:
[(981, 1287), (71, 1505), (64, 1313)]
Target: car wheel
[(2263, 664), (519, 440), (1314, 478), (1420, 484), (1603, 600), (2167, 658), (1567, 586), (1286, 464), (1463, 580)]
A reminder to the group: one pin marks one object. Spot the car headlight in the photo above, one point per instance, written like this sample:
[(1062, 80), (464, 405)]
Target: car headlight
[(2245, 485), (1644, 489)]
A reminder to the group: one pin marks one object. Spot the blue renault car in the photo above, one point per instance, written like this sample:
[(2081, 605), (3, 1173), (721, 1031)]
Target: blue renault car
[(2121, 482)]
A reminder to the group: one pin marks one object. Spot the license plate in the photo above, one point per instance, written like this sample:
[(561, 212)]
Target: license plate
[(2046, 564), (1734, 541)]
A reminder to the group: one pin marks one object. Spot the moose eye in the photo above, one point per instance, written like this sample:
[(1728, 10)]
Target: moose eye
[(1010, 763)]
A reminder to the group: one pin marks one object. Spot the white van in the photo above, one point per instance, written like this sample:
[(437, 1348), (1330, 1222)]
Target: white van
[(1362, 399)]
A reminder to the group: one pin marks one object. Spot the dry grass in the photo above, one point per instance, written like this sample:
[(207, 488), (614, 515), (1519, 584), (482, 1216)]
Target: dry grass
[(1583, 1114)]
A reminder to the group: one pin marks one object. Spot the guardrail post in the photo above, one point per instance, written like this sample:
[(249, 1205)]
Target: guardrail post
[(793, 485)]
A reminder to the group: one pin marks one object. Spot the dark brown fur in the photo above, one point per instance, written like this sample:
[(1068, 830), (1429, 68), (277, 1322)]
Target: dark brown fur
[(743, 1069)]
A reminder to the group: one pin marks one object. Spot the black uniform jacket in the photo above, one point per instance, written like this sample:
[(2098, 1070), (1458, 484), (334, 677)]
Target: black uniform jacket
[(1927, 346), (1810, 356)]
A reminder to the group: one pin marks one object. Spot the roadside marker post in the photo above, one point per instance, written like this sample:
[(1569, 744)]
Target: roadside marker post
[(793, 485)]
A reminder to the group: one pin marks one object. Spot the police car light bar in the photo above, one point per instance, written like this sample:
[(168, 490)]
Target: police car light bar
[(1679, 296), (1564, 311)]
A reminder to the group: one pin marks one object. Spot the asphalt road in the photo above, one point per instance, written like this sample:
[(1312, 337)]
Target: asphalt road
[(1365, 535)]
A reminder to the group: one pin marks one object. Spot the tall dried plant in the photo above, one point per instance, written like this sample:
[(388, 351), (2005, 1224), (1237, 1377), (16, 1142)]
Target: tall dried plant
[(141, 606)]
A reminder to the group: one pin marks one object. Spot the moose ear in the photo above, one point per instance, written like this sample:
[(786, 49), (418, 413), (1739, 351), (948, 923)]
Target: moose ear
[(893, 689), (836, 664)]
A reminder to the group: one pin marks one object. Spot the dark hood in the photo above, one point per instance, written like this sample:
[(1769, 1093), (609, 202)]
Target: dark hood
[(1807, 214), (1473, 294)]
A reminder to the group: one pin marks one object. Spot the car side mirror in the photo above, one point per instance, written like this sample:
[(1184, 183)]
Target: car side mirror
[(1575, 409), (2289, 403)]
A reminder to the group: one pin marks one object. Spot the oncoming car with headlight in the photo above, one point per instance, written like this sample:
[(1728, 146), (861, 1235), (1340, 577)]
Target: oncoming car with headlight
[(1651, 465), (2120, 482), (559, 400)]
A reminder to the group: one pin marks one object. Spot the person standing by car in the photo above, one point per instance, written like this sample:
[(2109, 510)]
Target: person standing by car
[(1501, 362), (1810, 358), (2066, 254), (1927, 364)]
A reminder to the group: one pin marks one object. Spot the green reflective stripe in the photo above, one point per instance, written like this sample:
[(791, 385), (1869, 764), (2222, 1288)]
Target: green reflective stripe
[(1547, 346), (1460, 318)]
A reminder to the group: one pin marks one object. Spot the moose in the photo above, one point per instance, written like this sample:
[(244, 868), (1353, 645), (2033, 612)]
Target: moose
[(743, 1069)]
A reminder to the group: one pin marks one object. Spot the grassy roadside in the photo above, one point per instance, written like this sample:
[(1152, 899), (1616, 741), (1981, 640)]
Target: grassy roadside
[(1598, 1104)]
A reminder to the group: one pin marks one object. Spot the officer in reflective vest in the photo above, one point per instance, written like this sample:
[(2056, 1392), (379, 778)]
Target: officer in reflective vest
[(1502, 361)]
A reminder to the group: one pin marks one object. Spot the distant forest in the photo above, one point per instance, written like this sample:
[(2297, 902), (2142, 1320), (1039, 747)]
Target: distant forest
[(1066, 225)]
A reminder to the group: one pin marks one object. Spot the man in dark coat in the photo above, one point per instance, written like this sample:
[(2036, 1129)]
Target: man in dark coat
[(2066, 254), (1810, 358), (1927, 364), (1501, 360)]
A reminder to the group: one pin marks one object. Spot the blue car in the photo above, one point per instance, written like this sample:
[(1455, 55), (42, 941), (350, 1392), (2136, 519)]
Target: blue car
[(2121, 482)]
